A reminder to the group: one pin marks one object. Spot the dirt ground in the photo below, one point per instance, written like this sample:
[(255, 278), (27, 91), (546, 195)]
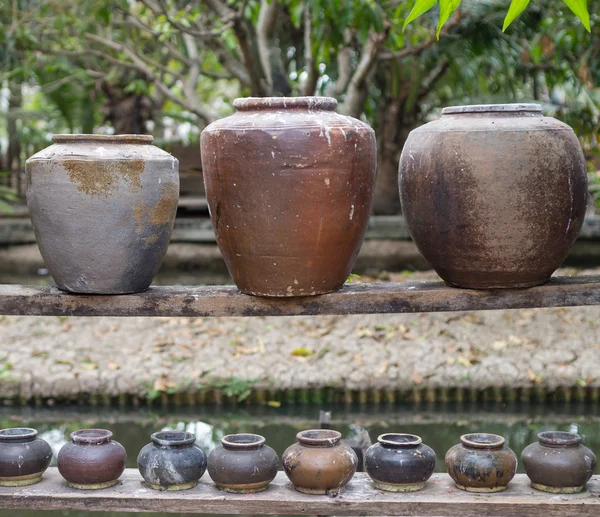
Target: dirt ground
[(53, 357)]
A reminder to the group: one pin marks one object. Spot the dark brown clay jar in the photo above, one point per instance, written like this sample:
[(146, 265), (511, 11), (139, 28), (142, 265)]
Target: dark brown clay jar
[(102, 208), (494, 196), (243, 464), (399, 462), (319, 463), (92, 460), (558, 463), (289, 184), (23, 457), (481, 463)]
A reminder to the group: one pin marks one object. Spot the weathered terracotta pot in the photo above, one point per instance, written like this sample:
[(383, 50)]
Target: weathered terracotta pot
[(494, 196), (23, 457), (289, 184), (481, 463), (558, 463), (172, 461), (102, 209), (319, 463), (243, 464), (92, 460), (399, 462)]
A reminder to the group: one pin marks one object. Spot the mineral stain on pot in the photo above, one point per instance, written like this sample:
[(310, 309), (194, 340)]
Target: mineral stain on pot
[(97, 178)]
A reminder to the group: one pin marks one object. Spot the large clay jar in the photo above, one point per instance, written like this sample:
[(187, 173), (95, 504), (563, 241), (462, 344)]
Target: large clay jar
[(172, 461), (102, 208), (23, 457), (92, 460), (289, 184), (319, 463), (399, 462), (243, 463), (494, 196), (558, 463), (481, 463)]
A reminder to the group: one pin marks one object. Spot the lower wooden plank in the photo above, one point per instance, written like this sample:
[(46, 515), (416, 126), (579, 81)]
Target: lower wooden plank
[(440, 497), (351, 299)]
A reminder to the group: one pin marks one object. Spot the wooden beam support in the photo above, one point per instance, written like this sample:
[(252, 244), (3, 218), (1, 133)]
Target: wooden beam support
[(371, 298), (440, 497)]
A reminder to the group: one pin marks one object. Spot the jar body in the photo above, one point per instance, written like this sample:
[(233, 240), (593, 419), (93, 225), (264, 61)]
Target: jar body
[(324, 469), (493, 197), (558, 469), (89, 465), (172, 461), (23, 457), (481, 469), (102, 209), (399, 467), (289, 184), (245, 469)]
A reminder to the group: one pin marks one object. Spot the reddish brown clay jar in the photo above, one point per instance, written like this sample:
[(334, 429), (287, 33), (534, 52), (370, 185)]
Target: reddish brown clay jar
[(289, 184), (319, 463), (92, 460), (494, 196)]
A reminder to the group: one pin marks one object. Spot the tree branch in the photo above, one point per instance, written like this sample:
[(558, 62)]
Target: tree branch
[(310, 85), (344, 62)]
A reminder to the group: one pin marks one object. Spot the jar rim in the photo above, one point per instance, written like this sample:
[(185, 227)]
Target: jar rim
[(285, 103), (14, 434), (559, 438), (115, 139), (494, 108), (242, 441), (173, 438), (319, 437), (482, 440), (399, 440), (91, 436)]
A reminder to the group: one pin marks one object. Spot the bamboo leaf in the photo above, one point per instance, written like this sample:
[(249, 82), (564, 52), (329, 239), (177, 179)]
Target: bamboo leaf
[(580, 9), (515, 9), (420, 7), (447, 7)]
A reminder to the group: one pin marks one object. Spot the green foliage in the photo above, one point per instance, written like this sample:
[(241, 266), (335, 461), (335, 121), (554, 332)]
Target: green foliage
[(515, 9), (231, 386)]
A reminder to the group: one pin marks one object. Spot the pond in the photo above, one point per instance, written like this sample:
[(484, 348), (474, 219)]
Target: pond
[(440, 426)]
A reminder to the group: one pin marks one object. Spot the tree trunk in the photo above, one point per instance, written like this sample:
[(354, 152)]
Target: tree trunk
[(126, 112), (14, 138)]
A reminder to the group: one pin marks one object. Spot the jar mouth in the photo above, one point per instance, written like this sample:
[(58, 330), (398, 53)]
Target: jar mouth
[(173, 438), (493, 108), (482, 440), (91, 436), (559, 439), (242, 441), (285, 103), (110, 139), (319, 437), (399, 440), (17, 434)]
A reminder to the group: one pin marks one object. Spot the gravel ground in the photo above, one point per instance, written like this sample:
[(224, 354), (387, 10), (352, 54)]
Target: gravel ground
[(59, 358)]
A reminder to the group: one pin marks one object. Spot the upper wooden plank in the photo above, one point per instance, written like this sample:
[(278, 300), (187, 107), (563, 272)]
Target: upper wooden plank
[(440, 497), (352, 299)]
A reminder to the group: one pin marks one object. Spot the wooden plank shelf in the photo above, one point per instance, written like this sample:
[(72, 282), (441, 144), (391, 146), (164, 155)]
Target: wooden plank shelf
[(368, 298), (440, 497)]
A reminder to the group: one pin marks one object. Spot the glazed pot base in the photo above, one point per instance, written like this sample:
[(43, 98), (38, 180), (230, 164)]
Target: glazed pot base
[(279, 294), (502, 286), (94, 486), (108, 292), (401, 487), (250, 488), (318, 491), (173, 488), (481, 490), (30, 479), (558, 490)]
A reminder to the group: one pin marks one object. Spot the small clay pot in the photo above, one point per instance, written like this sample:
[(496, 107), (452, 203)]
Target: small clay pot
[(172, 461), (399, 462), (243, 464), (319, 463), (23, 457), (558, 463), (92, 460), (481, 463)]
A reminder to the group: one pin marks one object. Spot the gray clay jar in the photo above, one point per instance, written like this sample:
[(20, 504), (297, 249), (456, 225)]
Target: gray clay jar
[(558, 463), (172, 461), (102, 208), (399, 462), (23, 457), (243, 464)]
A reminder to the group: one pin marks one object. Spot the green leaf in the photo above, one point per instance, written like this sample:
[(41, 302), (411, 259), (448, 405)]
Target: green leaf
[(5, 207), (420, 7), (447, 7), (515, 9), (580, 9)]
